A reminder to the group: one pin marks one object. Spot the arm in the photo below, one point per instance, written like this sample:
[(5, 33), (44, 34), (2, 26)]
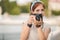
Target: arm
[(41, 34), (25, 32), (26, 29), (46, 32)]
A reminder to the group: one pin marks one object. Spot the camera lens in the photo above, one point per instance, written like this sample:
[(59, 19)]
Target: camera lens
[(38, 17)]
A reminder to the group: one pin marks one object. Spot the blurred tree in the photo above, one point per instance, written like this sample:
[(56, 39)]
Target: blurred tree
[(2, 5), (55, 12), (15, 11), (45, 2), (25, 8), (9, 7)]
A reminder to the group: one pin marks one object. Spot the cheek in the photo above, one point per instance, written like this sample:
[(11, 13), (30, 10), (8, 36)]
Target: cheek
[(43, 13), (35, 11)]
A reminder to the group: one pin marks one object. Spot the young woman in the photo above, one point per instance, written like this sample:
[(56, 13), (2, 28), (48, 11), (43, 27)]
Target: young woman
[(32, 28)]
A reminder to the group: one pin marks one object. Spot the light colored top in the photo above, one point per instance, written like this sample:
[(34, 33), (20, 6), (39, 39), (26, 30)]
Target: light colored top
[(33, 32), (54, 34)]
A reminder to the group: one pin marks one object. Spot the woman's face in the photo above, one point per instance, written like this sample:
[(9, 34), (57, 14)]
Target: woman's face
[(39, 10)]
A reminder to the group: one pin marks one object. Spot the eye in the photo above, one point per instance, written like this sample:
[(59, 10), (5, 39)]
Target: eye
[(37, 10), (33, 14), (42, 9)]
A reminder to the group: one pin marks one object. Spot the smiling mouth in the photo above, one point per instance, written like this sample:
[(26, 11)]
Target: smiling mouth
[(38, 25)]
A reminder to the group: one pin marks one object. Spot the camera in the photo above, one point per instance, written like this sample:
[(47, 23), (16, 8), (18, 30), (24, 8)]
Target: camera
[(38, 16)]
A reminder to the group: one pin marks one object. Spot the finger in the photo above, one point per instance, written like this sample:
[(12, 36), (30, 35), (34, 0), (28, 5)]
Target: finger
[(31, 17)]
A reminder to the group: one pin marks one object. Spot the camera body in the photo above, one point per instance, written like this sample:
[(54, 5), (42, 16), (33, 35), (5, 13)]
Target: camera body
[(38, 16)]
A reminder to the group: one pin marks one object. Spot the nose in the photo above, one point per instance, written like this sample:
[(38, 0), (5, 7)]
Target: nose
[(40, 12)]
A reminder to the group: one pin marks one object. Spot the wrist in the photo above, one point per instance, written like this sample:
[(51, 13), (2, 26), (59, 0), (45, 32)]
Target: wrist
[(29, 25), (38, 26)]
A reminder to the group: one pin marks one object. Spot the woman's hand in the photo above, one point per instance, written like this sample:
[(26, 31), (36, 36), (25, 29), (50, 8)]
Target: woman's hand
[(30, 20), (47, 31), (38, 23), (26, 29)]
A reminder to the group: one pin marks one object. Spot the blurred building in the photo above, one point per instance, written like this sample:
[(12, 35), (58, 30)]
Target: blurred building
[(53, 5)]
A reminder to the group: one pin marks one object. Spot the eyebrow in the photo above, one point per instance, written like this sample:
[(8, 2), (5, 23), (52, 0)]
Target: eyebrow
[(33, 14), (39, 9), (42, 9)]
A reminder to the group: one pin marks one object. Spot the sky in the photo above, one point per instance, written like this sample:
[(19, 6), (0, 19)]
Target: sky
[(21, 1), (12, 0), (0, 0)]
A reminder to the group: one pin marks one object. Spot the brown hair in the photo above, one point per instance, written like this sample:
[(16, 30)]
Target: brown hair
[(35, 5)]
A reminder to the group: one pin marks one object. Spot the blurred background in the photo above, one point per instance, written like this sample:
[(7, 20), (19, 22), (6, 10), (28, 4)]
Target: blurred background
[(14, 12)]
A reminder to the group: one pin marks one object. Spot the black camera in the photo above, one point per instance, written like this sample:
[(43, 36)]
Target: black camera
[(38, 16)]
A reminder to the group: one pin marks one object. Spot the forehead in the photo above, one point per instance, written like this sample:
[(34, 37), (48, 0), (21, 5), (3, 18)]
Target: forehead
[(40, 6)]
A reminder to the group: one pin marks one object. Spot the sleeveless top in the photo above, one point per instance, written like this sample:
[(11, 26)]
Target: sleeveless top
[(33, 32)]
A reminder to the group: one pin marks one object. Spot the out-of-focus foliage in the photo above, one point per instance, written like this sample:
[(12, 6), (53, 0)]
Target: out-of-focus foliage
[(45, 3), (25, 8), (10, 7), (0, 3), (15, 11), (55, 12)]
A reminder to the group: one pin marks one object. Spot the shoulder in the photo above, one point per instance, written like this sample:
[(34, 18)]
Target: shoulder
[(47, 27)]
